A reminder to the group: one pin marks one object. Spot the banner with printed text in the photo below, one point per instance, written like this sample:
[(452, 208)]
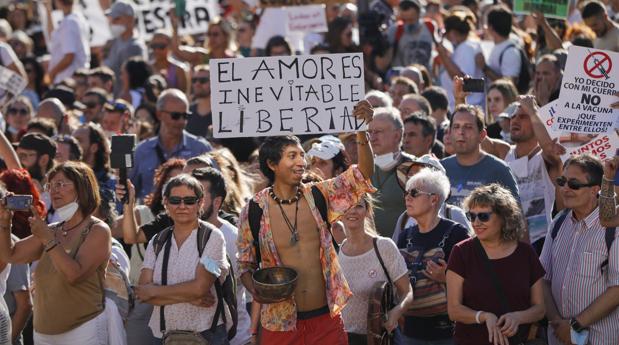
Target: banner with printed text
[(587, 91), (550, 8), (266, 96), (280, 3)]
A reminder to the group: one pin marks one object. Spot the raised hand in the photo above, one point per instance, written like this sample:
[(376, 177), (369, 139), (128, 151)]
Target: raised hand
[(363, 111)]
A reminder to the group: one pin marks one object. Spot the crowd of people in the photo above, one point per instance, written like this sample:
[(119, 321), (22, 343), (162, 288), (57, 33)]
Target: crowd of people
[(460, 204)]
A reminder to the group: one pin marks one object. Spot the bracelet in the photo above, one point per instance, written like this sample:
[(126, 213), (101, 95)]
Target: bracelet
[(477, 315), (51, 244), (607, 180)]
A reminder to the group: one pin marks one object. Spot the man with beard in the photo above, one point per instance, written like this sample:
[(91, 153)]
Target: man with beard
[(535, 162), (200, 118), (36, 153), (471, 167), (607, 33), (293, 233)]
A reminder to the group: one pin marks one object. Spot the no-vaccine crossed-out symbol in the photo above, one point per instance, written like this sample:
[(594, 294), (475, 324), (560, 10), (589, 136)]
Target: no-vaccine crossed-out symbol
[(598, 65)]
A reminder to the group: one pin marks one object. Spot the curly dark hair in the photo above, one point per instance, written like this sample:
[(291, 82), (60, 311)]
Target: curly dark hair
[(155, 199), (504, 204)]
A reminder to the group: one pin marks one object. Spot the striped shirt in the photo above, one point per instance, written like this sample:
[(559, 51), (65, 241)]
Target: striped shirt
[(573, 267)]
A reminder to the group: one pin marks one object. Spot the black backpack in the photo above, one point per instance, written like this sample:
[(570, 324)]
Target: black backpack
[(609, 235), (524, 78), (255, 215), (226, 292)]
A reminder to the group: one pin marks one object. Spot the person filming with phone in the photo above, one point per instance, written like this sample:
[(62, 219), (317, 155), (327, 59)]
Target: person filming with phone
[(72, 258)]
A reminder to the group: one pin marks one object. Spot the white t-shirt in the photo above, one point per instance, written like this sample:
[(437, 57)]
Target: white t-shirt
[(243, 334), (536, 190), (464, 57), (510, 64), (361, 272), (182, 264), (71, 36)]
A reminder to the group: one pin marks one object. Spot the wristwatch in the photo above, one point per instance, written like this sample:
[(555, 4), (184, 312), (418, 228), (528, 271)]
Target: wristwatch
[(576, 326)]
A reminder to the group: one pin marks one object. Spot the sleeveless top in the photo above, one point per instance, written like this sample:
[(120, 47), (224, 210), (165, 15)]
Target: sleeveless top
[(59, 306)]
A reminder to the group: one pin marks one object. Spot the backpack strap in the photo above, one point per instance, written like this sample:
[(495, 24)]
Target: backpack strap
[(403, 220), (558, 223), (164, 275), (448, 209), (511, 45), (160, 239), (254, 217), (204, 234), (321, 204), (609, 237)]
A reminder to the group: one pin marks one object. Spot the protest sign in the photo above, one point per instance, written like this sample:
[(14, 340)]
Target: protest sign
[(153, 15), (312, 18), (282, 95), (550, 8), (99, 25), (587, 91), (11, 85), (603, 146)]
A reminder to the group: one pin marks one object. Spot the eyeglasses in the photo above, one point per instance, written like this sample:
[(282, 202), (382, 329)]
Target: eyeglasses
[(414, 192), (56, 185), (158, 45), (188, 200), (201, 80), (17, 111), (572, 183), (482, 216), (176, 115)]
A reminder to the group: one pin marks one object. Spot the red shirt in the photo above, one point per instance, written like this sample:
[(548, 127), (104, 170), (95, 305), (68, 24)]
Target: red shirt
[(517, 273)]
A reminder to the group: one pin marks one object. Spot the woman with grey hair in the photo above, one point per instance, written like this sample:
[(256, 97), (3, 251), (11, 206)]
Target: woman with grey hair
[(426, 247), (177, 275), (493, 278)]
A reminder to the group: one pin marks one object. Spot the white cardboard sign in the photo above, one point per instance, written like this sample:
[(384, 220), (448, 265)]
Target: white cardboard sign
[(311, 18), (11, 85), (153, 15), (603, 145), (282, 95), (589, 83)]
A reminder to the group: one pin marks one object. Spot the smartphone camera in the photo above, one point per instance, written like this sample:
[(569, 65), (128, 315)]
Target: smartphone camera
[(474, 85), (18, 202)]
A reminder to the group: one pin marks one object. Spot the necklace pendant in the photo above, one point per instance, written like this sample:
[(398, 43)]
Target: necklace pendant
[(294, 239)]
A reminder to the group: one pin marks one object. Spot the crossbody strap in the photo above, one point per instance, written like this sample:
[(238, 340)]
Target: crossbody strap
[(164, 279), (380, 259)]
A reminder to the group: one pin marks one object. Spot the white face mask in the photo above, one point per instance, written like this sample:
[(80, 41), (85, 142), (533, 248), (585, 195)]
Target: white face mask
[(385, 161), (117, 30), (67, 211)]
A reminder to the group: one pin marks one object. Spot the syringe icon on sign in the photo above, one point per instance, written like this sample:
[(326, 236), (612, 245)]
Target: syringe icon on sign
[(599, 66)]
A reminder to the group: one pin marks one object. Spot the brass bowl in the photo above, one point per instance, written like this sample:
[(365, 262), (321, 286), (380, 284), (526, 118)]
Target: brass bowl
[(275, 284)]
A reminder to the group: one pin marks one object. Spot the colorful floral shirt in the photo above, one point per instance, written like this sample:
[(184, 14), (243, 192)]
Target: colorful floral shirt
[(341, 192)]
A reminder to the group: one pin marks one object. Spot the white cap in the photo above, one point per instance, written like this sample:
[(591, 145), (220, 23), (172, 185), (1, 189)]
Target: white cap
[(325, 150), (431, 162)]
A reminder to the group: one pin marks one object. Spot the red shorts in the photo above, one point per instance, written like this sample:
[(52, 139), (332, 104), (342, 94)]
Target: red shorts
[(317, 330)]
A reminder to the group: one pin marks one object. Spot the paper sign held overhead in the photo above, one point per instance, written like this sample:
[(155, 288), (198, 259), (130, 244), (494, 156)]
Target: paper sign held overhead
[(280, 3), (283, 95), (152, 16), (603, 146), (550, 8), (587, 91), (312, 18), (11, 85)]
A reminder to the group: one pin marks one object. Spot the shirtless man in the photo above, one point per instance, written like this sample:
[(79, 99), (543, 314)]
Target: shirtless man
[(294, 234)]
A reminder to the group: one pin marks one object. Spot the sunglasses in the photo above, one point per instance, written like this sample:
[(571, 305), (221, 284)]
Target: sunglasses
[(572, 183), (413, 193), (176, 115), (202, 80), (15, 111), (482, 216), (188, 200), (158, 45)]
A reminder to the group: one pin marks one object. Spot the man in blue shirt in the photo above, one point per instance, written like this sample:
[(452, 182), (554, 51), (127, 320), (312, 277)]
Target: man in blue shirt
[(172, 142), (471, 167)]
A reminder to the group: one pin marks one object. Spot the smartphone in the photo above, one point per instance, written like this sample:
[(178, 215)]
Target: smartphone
[(474, 85), (18, 202)]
